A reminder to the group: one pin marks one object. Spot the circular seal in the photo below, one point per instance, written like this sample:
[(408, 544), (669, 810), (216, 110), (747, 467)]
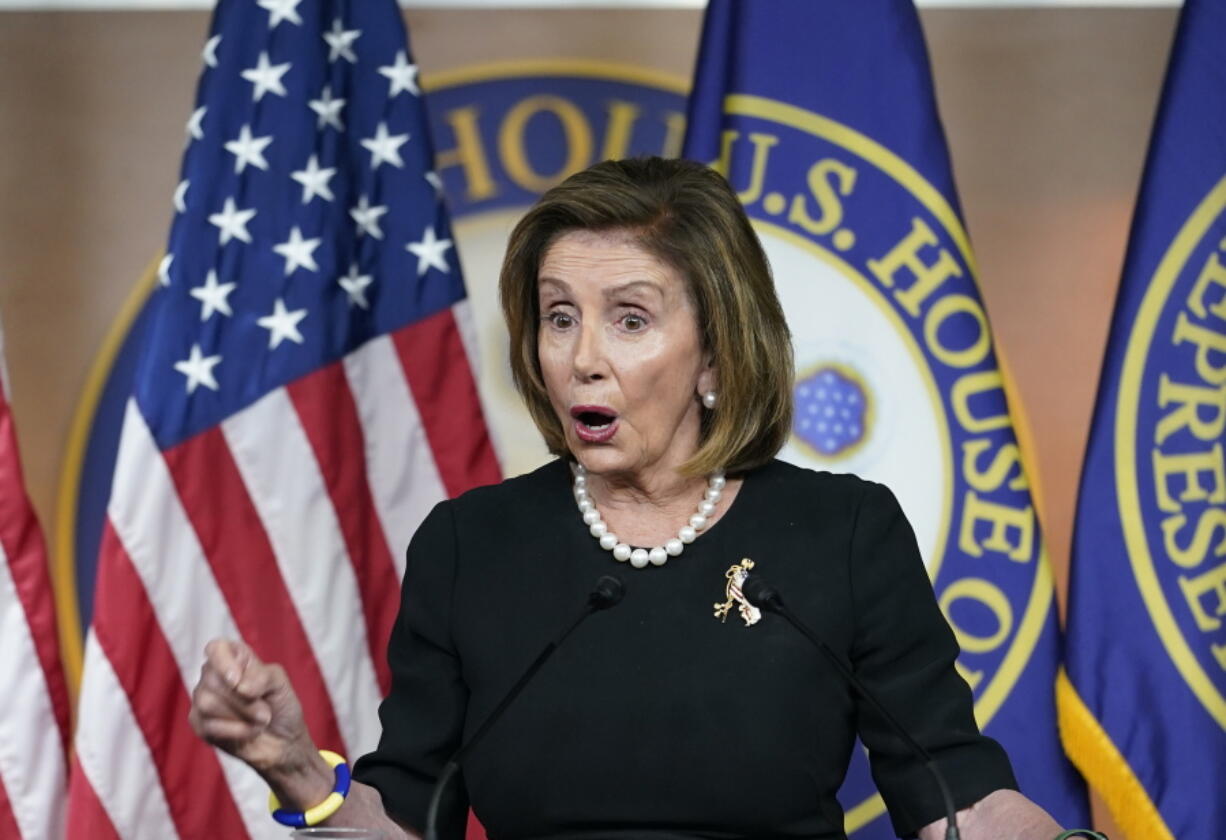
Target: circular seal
[(1171, 475), (897, 379)]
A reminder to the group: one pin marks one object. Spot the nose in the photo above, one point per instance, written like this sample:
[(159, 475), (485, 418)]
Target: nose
[(589, 362)]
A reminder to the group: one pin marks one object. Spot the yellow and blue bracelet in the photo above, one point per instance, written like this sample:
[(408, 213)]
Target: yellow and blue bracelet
[(325, 809)]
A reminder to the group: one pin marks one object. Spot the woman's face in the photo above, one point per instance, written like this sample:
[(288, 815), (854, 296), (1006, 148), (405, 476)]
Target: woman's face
[(621, 354)]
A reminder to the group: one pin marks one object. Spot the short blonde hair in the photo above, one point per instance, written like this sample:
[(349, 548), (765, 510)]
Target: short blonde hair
[(686, 215)]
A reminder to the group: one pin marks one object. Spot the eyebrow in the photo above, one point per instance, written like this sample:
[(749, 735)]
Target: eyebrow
[(612, 291), (633, 285)]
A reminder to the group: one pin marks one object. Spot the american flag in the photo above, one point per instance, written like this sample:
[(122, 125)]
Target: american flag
[(303, 399), (33, 695)]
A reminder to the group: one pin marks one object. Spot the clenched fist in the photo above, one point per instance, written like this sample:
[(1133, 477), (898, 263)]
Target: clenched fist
[(248, 708)]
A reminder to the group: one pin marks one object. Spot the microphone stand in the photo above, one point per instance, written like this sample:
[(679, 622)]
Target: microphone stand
[(764, 596), (608, 592)]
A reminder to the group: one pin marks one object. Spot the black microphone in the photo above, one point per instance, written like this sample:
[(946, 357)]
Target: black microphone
[(608, 592), (765, 597)]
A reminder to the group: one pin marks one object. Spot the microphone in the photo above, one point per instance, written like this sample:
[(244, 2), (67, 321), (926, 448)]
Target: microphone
[(608, 592), (765, 597)]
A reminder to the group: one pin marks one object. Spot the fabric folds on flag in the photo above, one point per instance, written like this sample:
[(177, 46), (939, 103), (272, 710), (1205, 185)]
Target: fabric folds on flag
[(823, 117), (1143, 708), (34, 711), (303, 398)]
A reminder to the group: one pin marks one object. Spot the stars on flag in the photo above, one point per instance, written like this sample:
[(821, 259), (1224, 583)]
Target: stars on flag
[(323, 151), (355, 285), (328, 109), (401, 75), (266, 77), (212, 296), (209, 53), (340, 42), (281, 10), (430, 252), (385, 148), (282, 324), (367, 218), (232, 222), (180, 197), (198, 369), (314, 180), (298, 252), (248, 150), (195, 124)]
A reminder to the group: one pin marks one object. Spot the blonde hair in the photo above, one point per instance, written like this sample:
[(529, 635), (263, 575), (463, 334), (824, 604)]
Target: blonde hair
[(686, 215)]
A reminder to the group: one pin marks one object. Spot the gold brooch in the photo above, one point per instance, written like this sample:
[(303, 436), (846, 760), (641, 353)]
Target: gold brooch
[(736, 579)]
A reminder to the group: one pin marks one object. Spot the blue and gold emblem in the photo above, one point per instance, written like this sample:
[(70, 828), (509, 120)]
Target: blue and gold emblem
[(1143, 704), (835, 151), (898, 380), (1170, 417)]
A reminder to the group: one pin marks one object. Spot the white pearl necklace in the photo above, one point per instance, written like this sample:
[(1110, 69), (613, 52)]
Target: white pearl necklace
[(640, 557)]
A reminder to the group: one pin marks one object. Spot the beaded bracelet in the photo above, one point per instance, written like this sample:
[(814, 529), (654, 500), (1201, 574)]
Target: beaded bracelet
[(325, 809)]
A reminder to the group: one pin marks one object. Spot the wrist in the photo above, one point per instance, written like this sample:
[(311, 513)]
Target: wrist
[(301, 779), (322, 811)]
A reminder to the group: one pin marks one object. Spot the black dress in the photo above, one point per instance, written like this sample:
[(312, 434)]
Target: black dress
[(656, 719)]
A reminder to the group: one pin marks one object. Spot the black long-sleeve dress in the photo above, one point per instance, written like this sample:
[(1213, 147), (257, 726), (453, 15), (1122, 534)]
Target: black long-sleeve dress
[(656, 719)]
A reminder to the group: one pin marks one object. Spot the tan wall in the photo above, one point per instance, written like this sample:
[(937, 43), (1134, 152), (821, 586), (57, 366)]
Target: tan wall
[(1047, 111)]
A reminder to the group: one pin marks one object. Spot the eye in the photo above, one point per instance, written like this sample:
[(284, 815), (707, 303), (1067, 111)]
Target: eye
[(634, 322), (560, 320)]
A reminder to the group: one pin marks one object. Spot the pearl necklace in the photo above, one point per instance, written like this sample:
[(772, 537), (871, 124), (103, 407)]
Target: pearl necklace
[(640, 557)]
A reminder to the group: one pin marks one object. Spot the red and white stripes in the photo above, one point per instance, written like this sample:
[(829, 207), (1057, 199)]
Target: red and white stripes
[(286, 526), (33, 695), (32, 733)]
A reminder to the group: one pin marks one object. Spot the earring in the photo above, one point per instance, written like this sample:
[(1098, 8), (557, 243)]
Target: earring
[(708, 399)]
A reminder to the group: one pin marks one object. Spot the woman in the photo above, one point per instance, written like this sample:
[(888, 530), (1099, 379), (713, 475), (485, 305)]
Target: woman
[(649, 345)]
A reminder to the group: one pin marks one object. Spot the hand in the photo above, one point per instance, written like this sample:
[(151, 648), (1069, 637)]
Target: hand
[(1001, 815), (248, 708)]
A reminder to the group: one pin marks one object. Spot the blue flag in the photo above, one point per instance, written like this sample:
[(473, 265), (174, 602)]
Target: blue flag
[(1143, 713), (822, 116)]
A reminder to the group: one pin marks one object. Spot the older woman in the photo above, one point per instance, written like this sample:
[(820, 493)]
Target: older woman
[(649, 345)]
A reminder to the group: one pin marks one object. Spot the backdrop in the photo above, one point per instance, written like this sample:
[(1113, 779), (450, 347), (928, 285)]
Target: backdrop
[(1047, 114)]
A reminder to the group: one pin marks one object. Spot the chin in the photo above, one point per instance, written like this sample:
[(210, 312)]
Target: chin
[(598, 460)]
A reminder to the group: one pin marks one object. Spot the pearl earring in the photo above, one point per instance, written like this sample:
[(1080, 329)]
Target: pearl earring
[(708, 399)]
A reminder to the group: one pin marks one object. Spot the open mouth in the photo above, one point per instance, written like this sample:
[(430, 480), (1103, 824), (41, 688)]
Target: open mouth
[(594, 423)]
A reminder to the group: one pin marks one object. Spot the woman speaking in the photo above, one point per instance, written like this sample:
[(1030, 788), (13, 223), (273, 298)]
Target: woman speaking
[(653, 355)]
